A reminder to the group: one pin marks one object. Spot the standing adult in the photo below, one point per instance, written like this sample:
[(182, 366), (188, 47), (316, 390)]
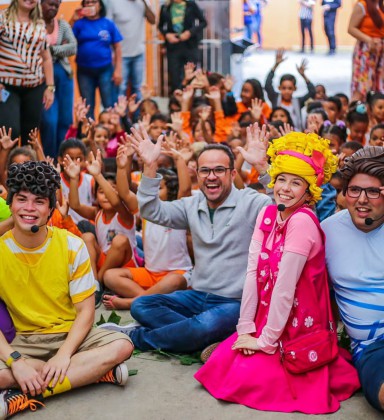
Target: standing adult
[(258, 19), (306, 17), (367, 27), (26, 71), (329, 9), (97, 36), (62, 44), (182, 23), (221, 220), (355, 261), (130, 17)]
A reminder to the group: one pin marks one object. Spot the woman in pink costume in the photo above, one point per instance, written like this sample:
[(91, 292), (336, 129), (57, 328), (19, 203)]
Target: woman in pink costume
[(285, 292)]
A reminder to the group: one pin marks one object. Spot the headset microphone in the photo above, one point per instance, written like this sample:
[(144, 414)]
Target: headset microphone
[(35, 228), (282, 207), (369, 221)]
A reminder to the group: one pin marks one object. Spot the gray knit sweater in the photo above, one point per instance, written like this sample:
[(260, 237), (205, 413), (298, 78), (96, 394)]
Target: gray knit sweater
[(65, 47)]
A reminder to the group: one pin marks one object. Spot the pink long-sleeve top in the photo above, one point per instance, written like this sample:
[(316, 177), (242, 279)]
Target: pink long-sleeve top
[(302, 242)]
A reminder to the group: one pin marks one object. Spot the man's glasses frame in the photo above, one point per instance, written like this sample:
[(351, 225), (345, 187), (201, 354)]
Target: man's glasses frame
[(370, 192), (218, 171)]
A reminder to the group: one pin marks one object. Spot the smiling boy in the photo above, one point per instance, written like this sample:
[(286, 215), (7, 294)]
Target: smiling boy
[(47, 284)]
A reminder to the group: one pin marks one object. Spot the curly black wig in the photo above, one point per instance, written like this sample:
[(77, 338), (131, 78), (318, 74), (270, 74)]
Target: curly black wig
[(39, 178)]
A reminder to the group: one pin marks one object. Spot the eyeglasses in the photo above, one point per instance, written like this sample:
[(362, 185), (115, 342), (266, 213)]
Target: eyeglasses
[(355, 192), (219, 171)]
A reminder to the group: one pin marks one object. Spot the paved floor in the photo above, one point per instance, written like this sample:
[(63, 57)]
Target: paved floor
[(166, 390), (332, 71)]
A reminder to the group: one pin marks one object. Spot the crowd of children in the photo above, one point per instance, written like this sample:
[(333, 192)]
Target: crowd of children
[(100, 171)]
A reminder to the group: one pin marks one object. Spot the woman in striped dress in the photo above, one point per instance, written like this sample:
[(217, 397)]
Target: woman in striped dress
[(26, 71)]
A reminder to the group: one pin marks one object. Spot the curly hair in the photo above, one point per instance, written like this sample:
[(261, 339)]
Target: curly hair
[(39, 178), (368, 160), (309, 146)]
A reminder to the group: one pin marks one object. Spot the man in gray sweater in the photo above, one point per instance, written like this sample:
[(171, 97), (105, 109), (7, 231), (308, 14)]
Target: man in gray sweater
[(221, 221)]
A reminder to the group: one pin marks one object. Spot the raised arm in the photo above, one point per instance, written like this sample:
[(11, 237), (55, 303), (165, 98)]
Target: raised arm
[(124, 161), (94, 169), (165, 213), (72, 169)]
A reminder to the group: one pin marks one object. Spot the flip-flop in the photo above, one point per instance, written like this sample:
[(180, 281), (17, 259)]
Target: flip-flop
[(109, 298)]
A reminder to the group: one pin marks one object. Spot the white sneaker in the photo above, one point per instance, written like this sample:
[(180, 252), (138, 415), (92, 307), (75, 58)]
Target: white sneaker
[(125, 329), (117, 376)]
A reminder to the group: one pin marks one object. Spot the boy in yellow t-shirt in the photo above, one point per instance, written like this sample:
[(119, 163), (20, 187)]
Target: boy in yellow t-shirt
[(50, 300)]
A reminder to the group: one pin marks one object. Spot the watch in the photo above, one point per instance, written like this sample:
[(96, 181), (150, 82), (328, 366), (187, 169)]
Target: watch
[(51, 88), (12, 358)]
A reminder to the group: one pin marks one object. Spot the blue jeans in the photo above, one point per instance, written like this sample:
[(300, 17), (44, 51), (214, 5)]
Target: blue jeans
[(329, 28), (132, 72), (184, 321), (371, 372), (89, 80), (258, 18), (56, 120)]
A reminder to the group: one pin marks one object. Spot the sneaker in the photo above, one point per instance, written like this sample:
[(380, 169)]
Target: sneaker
[(13, 401), (125, 329), (98, 297), (117, 376), (206, 353)]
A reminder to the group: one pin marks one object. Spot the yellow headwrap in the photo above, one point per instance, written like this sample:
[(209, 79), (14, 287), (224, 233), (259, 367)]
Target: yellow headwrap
[(305, 155)]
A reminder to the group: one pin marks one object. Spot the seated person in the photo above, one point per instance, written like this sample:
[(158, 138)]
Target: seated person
[(167, 261), (355, 261), (221, 220), (56, 310)]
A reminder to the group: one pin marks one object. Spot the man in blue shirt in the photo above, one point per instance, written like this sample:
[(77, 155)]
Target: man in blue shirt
[(355, 261)]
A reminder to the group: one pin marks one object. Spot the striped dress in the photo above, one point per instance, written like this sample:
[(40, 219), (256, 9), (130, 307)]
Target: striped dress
[(21, 45)]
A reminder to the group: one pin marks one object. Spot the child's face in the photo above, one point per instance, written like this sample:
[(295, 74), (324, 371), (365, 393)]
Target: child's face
[(102, 200), (341, 203), (378, 110), (247, 93), (320, 93), (234, 144), (148, 108), (286, 89), (331, 109), (279, 115), (199, 135), (75, 154), (357, 131), (377, 137), (105, 121), (344, 108), (336, 184), (347, 151), (334, 142), (101, 136), (156, 128), (163, 192), (20, 159)]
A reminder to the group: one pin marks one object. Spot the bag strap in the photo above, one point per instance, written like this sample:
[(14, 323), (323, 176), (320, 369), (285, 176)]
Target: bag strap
[(317, 223)]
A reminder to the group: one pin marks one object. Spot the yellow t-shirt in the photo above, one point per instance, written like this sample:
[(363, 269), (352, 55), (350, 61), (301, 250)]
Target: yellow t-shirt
[(41, 285)]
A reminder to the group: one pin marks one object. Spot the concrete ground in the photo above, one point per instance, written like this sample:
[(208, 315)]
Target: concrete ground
[(163, 389)]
